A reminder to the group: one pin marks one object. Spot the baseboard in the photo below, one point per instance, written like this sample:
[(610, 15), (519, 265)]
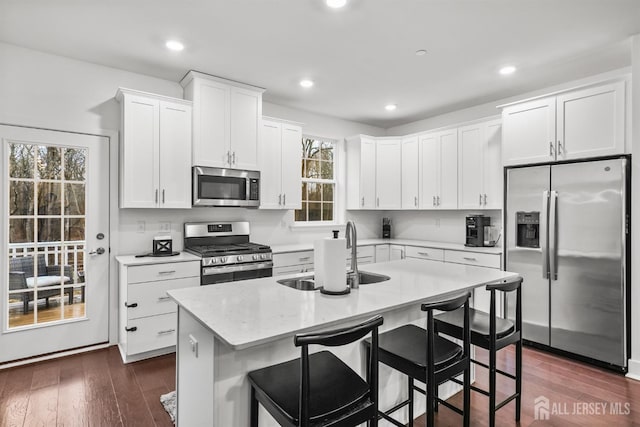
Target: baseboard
[(634, 370), (53, 356)]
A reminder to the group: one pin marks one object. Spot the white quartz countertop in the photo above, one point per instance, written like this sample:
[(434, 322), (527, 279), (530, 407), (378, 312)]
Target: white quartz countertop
[(129, 260), (295, 247), (253, 312)]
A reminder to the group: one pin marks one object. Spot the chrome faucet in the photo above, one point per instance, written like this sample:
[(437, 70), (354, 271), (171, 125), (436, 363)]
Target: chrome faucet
[(352, 243)]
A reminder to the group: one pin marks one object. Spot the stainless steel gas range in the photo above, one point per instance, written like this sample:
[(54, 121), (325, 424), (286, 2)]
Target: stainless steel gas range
[(226, 252)]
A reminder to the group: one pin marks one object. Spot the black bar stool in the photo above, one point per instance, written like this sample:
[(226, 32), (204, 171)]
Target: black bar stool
[(425, 356), (492, 333), (319, 389)]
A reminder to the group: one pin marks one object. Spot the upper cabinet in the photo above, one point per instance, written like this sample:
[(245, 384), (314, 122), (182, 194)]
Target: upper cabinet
[(572, 125), (480, 166), (226, 121), (280, 157), (155, 153), (373, 173), (410, 173), (439, 170)]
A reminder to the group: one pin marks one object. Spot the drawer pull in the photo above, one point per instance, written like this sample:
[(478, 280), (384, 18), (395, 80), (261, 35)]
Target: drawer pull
[(168, 331), (164, 298), (469, 258), (133, 329), (306, 258), (423, 253), (167, 272), (132, 305)]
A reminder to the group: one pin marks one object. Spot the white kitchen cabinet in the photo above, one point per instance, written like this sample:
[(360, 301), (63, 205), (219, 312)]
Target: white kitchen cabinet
[(410, 172), (147, 317), (382, 253), (388, 173), (292, 262), (155, 154), (226, 121), (480, 166), (576, 124), (431, 254), (361, 172), (280, 157), (396, 252), (364, 254), (439, 170)]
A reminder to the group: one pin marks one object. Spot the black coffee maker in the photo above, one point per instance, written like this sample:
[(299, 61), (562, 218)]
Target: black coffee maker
[(475, 225), (386, 228)]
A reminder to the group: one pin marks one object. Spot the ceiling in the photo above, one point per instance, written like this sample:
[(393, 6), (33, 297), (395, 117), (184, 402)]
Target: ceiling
[(361, 57)]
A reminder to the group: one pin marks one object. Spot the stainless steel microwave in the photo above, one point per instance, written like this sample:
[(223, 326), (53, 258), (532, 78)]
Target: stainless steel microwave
[(225, 187)]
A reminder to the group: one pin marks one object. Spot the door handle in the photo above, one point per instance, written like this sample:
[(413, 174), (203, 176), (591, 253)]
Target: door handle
[(485, 199), (415, 201), (279, 199), (363, 201), (377, 202), (168, 331), (156, 195), (284, 199), (553, 235), (560, 148), (132, 305), (133, 329), (434, 200), (163, 196), (98, 251), (162, 299), (543, 234), (229, 157), (234, 157), (551, 149), (480, 199), (438, 199)]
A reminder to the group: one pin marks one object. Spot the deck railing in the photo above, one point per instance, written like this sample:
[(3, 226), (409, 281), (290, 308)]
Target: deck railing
[(56, 253)]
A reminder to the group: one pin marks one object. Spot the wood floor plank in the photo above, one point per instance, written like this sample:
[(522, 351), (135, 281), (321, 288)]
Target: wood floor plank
[(102, 406), (43, 407), (15, 396), (46, 375), (152, 399), (72, 405)]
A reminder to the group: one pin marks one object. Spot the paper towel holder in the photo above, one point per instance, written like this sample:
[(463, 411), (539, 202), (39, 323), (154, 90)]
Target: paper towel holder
[(345, 292)]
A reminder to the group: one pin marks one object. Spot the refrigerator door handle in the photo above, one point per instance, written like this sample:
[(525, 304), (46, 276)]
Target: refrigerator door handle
[(543, 234), (553, 235)]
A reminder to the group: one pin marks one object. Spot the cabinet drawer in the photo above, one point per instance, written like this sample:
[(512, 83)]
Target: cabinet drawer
[(424, 253), (151, 333), (292, 258), (165, 271), (150, 298), (473, 258), (292, 269)]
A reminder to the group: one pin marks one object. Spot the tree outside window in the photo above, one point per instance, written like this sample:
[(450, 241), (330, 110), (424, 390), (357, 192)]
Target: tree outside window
[(318, 180)]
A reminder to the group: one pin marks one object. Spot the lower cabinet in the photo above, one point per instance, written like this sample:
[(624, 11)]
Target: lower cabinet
[(292, 262), (147, 318)]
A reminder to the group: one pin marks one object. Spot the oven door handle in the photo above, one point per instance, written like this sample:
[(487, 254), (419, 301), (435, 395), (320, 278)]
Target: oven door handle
[(207, 271)]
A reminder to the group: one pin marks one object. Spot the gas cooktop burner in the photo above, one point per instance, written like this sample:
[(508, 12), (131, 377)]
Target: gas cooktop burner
[(229, 249)]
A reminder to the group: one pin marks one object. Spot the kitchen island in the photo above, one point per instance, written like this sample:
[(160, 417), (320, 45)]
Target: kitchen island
[(229, 329)]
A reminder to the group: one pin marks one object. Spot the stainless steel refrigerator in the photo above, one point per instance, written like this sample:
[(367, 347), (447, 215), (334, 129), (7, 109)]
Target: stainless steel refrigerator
[(567, 234)]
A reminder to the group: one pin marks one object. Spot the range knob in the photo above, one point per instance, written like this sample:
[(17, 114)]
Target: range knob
[(263, 256), (212, 261), (223, 259), (239, 258), (255, 257)]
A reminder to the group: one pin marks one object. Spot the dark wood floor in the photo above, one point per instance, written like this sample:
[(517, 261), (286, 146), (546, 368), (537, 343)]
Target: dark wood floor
[(97, 389)]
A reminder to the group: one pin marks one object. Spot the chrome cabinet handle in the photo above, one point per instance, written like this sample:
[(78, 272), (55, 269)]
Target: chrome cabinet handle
[(168, 331), (469, 258), (551, 149), (378, 202), (167, 298), (163, 196), (480, 200), (560, 148), (415, 201), (132, 305), (133, 329), (284, 199), (167, 272), (363, 201), (234, 157), (156, 195), (438, 199), (279, 199), (485, 199), (229, 157), (423, 253), (305, 258), (434, 200)]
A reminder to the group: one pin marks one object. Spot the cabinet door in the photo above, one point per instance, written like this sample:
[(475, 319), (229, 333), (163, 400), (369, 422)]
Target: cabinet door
[(367, 174), (448, 177), (211, 131), (271, 165), (429, 160), (591, 122), (529, 132), (175, 155), (382, 253), (246, 113), (470, 162), (291, 161), (388, 175), (139, 154), (492, 165), (410, 177), (396, 252)]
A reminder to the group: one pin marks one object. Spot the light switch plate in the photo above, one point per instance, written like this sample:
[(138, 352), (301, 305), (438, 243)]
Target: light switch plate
[(141, 226), (165, 226), (194, 345)]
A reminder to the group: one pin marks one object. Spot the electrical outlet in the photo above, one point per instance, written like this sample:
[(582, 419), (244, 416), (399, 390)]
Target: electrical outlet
[(165, 226), (141, 226)]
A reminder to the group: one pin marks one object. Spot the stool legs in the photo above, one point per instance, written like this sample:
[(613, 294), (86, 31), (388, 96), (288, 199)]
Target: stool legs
[(492, 387), (410, 391), (254, 408), (518, 378)]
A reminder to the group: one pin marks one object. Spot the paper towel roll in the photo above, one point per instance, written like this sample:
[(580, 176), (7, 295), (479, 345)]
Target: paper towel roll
[(329, 259)]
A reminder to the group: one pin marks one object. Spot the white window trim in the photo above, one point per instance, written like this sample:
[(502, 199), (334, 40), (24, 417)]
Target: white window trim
[(338, 189)]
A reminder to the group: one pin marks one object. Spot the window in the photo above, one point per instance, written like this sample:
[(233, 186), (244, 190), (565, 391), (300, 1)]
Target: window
[(318, 180)]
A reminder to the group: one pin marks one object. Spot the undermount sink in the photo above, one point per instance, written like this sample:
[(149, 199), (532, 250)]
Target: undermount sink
[(306, 283)]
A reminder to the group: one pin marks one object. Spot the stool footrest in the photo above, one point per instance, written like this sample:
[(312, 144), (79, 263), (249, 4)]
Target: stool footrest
[(391, 420), (507, 400), (472, 387), (450, 406), (506, 374)]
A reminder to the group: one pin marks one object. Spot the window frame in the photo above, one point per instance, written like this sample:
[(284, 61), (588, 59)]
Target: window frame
[(334, 181)]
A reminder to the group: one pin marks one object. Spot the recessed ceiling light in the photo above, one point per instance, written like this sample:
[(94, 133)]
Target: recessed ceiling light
[(306, 83), (509, 69), (421, 52), (336, 4), (174, 45), (390, 107)]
